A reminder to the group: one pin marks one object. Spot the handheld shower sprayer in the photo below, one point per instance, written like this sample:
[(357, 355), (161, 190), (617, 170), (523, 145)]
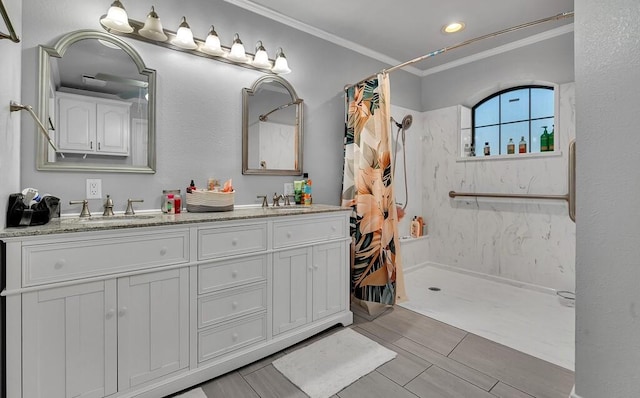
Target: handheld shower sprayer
[(406, 123)]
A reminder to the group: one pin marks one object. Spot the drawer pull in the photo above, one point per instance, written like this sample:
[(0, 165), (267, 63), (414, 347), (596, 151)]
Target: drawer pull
[(234, 305), (60, 263), (111, 313), (310, 268), (234, 242), (234, 337), (289, 235), (163, 251), (315, 266), (234, 274), (333, 228), (123, 311)]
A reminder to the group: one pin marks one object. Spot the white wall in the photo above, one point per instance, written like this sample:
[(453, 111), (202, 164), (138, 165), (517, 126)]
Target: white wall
[(530, 241), (608, 249), (9, 133), (199, 101)]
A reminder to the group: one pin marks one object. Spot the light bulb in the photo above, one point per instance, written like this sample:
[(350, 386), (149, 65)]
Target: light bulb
[(184, 36), (281, 65), (261, 59), (152, 28), (237, 50), (212, 44), (117, 18)]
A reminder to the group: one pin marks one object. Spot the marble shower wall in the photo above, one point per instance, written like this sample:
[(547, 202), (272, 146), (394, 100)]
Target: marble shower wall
[(530, 241)]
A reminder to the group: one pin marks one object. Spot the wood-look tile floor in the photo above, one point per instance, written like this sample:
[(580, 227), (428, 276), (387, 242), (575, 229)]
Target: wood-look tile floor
[(435, 360)]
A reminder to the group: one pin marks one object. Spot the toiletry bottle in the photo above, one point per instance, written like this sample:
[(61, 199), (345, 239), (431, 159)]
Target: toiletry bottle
[(414, 227), (307, 193), (420, 225), (511, 147), (191, 187), (544, 140), (522, 146), (177, 203), (551, 147), (297, 191), (170, 204), (487, 149)]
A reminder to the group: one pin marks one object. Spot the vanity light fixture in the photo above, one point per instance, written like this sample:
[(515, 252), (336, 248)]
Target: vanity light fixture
[(117, 18), (212, 44), (453, 27), (184, 37), (281, 65), (117, 22), (152, 28), (261, 59), (237, 50)]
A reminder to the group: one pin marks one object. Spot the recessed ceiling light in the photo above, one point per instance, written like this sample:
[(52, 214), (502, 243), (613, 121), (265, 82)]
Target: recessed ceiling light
[(453, 27)]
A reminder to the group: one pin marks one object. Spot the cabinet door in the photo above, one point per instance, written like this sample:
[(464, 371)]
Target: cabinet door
[(329, 273), (153, 326), (69, 341), (112, 129), (76, 130), (291, 289)]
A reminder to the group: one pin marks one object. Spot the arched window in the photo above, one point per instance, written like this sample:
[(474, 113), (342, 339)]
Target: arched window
[(512, 115)]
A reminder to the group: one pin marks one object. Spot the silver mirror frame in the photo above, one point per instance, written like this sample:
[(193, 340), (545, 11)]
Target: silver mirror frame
[(58, 51), (246, 94)]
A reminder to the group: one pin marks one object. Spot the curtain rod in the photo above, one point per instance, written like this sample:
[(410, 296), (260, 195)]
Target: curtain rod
[(563, 15)]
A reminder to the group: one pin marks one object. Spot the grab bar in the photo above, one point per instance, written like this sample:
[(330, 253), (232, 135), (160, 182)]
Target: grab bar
[(12, 33), (570, 196)]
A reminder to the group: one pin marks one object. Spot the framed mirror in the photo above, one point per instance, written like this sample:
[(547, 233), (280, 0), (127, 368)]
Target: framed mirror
[(97, 98), (272, 128)]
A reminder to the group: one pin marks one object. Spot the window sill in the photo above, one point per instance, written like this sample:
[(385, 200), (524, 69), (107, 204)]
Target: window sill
[(510, 157)]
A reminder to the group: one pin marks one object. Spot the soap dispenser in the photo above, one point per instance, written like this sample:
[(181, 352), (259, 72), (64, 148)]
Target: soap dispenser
[(544, 140)]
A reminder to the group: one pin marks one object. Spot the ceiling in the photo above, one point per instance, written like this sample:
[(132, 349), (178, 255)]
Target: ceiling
[(397, 31)]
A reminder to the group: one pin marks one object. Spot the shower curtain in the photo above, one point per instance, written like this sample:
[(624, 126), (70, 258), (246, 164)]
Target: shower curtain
[(376, 272)]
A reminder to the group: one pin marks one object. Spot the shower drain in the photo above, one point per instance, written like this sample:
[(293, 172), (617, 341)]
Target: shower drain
[(434, 289)]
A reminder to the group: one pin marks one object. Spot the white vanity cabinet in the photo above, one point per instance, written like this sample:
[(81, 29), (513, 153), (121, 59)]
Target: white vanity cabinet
[(92, 125), (150, 311)]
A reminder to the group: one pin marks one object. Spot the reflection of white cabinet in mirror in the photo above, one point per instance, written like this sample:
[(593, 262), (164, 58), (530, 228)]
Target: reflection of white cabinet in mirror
[(92, 125)]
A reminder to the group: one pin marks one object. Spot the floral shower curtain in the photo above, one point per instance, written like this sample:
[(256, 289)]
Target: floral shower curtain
[(376, 273)]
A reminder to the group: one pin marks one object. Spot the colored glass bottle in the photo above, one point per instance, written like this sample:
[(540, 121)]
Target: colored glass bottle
[(511, 147), (522, 146), (551, 147), (544, 140)]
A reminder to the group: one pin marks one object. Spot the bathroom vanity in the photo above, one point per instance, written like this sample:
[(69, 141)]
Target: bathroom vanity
[(149, 306)]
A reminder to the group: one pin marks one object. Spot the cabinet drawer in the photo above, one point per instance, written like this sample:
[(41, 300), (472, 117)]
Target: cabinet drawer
[(231, 304), (228, 241), (231, 273), (56, 262), (290, 233), (221, 340)]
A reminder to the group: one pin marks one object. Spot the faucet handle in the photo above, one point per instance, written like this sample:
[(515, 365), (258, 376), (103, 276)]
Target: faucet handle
[(129, 211), (287, 202), (276, 199), (264, 200), (85, 207)]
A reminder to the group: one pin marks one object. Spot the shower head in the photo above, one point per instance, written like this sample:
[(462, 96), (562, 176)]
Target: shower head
[(406, 122)]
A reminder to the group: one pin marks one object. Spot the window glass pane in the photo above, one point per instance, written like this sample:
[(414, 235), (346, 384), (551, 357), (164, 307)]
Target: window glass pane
[(514, 105), (542, 101), (515, 131), (537, 130), (487, 113), (487, 134)]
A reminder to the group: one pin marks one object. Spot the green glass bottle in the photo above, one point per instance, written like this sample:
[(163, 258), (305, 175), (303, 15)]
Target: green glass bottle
[(544, 140), (551, 137)]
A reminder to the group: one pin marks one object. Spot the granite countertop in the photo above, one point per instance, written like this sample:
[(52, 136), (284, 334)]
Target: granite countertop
[(68, 224)]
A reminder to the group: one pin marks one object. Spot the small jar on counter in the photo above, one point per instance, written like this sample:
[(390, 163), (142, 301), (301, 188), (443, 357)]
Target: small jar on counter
[(165, 194)]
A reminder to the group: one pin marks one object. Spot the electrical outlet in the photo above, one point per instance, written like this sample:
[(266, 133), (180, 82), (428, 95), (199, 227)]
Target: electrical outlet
[(94, 188), (288, 188)]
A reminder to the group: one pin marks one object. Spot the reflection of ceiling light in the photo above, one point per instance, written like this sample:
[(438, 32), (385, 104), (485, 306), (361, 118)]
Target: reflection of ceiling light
[(92, 81), (453, 27), (109, 44)]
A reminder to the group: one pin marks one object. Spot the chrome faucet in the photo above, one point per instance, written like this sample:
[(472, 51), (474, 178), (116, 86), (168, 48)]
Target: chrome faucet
[(108, 207), (264, 200), (85, 207), (129, 211), (276, 199)]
